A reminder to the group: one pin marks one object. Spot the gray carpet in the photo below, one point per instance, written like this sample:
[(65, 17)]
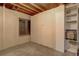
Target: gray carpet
[(30, 49)]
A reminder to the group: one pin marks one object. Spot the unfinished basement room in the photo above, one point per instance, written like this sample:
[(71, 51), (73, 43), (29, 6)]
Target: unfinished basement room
[(39, 29)]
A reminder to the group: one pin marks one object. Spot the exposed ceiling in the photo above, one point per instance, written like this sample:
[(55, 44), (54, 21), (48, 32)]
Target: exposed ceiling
[(30, 8)]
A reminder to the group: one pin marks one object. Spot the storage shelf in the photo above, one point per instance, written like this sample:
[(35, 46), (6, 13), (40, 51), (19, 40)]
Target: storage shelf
[(70, 15), (71, 21), (71, 8)]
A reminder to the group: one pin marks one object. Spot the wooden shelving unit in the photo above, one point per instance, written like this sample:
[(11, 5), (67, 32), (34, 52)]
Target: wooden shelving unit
[(69, 21), (72, 23)]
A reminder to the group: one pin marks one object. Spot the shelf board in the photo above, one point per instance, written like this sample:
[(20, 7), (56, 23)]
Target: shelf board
[(71, 8), (71, 21), (69, 15)]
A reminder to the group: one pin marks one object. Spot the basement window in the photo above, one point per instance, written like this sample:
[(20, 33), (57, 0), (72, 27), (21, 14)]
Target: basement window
[(24, 26)]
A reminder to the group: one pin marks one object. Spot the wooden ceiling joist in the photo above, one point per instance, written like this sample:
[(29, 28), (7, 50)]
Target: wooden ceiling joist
[(19, 6), (37, 6), (33, 7), (30, 8)]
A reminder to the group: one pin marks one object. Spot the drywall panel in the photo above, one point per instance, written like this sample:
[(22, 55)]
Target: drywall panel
[(47, 28), (59, 14), (11, 28), (1, 18), (43, 28)]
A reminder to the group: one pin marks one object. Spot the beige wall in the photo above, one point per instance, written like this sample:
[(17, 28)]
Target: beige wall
[(59, 14), (11, 28), (43, 28), (1, 18), (47, 28)]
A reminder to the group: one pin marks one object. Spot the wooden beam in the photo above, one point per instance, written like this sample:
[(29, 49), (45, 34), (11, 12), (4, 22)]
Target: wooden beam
[(27, 8), (23, 11), (33, 7), (37, 6), (23, 8), (42, 5), (30, 8), (16, 8)]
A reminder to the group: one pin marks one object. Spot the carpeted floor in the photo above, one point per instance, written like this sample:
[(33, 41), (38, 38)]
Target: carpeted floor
[(30, 49)]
